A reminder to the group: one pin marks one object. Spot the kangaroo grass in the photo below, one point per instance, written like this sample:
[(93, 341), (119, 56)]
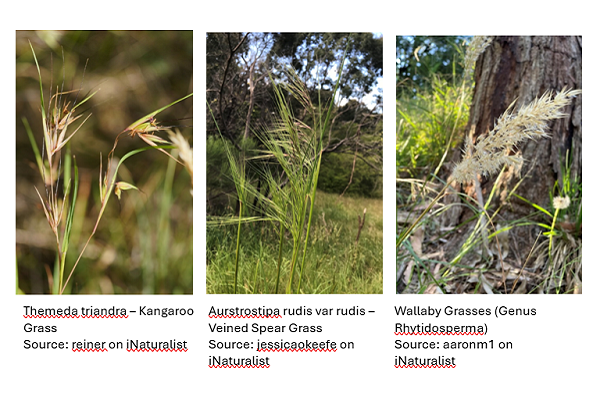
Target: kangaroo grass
[(56, 137), (108, 185), (106, 189), (61, 170)]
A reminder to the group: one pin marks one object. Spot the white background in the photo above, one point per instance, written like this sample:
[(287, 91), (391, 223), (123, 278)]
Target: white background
[(555, 353)]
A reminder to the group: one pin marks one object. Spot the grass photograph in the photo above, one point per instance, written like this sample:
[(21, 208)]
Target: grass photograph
[(489, 182), (104, 171), (294, 163)]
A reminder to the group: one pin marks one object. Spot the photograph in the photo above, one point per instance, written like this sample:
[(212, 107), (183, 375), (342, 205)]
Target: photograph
[(294, 163), (104, 162), (489, 181)]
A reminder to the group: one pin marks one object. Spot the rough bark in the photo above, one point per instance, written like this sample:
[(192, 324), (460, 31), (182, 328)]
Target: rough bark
[(522, 68)]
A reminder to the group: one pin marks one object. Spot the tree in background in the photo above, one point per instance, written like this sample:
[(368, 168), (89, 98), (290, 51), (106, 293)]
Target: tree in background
[(521, 68), (518, 227), (420, 57), (241, 70), (315, 55)]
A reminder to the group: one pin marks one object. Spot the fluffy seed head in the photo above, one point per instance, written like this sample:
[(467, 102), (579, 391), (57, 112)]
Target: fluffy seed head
[(490, 151), (560, 203), (477, 46)]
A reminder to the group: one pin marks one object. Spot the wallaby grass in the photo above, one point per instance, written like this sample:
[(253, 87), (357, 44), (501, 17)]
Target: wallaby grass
[(336, 264), (436, 257)]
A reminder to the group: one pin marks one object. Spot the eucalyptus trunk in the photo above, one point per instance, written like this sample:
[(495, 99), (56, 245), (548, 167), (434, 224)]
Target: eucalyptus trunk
[(522, 68)]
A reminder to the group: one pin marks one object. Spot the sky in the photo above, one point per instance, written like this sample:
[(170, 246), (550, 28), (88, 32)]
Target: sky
[(369, 99)]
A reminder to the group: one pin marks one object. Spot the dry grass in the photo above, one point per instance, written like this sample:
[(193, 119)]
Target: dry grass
[(474, 268), (530, 122), (59, 172), (185, 153), (477, 46)]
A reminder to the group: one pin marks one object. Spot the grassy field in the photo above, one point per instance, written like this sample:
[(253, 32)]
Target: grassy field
[(335, 264)]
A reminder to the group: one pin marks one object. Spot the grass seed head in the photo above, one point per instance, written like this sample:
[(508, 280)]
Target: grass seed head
[(561, 203), (531, 121), (476, 47), (185, 152)]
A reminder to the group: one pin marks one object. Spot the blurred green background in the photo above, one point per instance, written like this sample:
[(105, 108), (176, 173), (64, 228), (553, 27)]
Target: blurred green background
[(144, 241)]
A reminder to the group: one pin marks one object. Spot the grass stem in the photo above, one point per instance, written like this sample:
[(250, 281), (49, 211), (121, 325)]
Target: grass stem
[(237, 249)]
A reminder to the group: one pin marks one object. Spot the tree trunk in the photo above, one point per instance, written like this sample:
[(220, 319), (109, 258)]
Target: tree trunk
[(522, 68), (251, 87)]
